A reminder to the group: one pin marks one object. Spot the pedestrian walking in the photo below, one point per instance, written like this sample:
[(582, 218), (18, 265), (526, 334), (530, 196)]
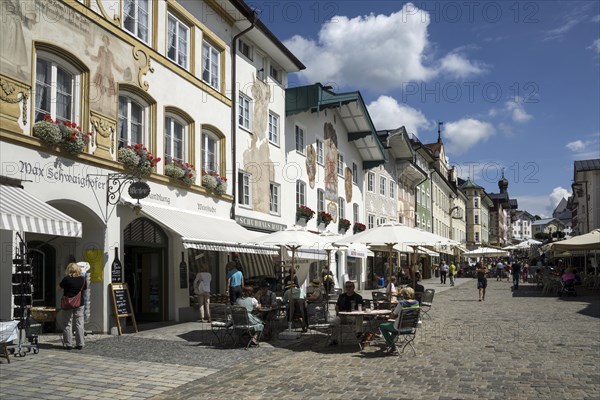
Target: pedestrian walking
[(235, 281), (481, 280), (443, 272), (499, 270), (202, 291), (452, 273), (73, 284), (516, 274), (525, 273)]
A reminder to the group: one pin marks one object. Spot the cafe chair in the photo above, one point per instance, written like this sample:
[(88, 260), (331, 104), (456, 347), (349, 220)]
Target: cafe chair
[(317, 318), (427, 302), (242, 325), (381, 301), (406, 324), (221, 324)]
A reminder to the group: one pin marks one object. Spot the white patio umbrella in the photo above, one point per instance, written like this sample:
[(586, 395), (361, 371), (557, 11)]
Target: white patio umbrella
[(293, 239), (588, 241), (528, 243), (486, 252), (391, 234)]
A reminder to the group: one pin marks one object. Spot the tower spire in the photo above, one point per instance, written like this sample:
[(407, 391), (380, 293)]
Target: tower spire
[(440, 123)]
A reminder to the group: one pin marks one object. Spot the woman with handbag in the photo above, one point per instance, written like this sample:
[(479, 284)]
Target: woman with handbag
[(73, 285)]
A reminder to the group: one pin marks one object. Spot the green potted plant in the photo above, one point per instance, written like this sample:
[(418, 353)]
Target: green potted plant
[(47, 131), (324, 218), (343, 225), (184, 172), (209, 180), (221, 187), (73, 139), (358, 227), (303, 215), (138, 159)]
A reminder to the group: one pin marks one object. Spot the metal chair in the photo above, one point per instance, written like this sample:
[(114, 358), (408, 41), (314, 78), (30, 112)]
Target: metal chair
[(221, 324), (427, 302), (406, 324), (242, 325), (381, 301), (317, 318)]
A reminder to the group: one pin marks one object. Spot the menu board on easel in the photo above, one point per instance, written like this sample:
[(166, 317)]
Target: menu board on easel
[(122, 305)]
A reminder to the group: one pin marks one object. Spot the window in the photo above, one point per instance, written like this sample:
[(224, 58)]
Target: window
[(275, 73), (300, 193), (319, 152), (354, 173), (178, 38), (210, 152), (320, 200), (273, 128), (476, 236), (476, 203), (210, 65), (174, 140), (274, 190), (355, 213), (136, 17), (371, 182), (418, 196), (476, 219), (341, 207), (245, 49), (299, 140), (244, 111), (55, 90), (370, 221), (382, 185), (340, 164), (392, 189), (244, 188), (417, 222), (132, 121)]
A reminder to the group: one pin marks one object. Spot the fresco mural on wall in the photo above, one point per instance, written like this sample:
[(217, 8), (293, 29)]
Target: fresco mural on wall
[(348, 184), (17, 20), (311, 165), (331, 157), (256, 159)]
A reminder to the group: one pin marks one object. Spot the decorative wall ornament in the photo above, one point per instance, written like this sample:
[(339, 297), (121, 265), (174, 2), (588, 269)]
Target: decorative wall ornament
[(115, 20), (105, 130), (9, 114), (144, 68), (311, 165)]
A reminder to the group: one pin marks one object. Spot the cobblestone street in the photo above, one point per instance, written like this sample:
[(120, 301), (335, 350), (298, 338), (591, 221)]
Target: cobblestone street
[(517, 345)]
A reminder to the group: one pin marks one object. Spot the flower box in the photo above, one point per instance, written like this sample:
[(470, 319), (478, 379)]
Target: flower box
[(138, 160), (358, 227), (324, 218), (67, 135), (215, 182), (343, 225), (184, 172), (304, 212)]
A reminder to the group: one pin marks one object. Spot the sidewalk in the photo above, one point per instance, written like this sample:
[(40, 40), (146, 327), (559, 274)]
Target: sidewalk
[(431, 283)]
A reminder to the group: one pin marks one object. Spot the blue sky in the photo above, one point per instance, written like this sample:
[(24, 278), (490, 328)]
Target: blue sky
[(517, 84)]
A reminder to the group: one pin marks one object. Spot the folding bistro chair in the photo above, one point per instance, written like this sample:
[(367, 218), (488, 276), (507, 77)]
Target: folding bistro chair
[(221, 324), (406, 324), (427, 302), (316, 315), (242, 325)]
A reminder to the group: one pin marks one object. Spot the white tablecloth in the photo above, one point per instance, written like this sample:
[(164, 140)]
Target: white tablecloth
[(9, 331)]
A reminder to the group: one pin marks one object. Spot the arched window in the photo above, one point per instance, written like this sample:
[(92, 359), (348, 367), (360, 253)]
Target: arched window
[(135, 117), (179, 128), (212, 147)]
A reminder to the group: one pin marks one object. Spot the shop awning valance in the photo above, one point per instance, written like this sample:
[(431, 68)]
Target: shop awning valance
[(20, 211), (257, 265), (205, 232)]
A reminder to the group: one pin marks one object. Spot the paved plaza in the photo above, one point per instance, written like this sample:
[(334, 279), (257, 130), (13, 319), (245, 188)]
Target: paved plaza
[(513, 345)]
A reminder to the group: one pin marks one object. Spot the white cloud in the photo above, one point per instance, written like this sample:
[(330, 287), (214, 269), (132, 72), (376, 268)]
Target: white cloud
[(558, 193), (577, 145), (378, 52), (387, 113), (517, 111), (595, 46), (460, 136), (596, 18), (542, 205), (585, 149)]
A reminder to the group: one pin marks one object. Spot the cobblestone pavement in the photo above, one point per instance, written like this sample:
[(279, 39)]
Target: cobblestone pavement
[(513, 345)]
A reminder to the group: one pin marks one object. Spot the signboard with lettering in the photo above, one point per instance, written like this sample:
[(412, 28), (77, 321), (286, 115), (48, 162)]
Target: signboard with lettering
[(139, 190), (116, 270), (122, 305), (259, 224)]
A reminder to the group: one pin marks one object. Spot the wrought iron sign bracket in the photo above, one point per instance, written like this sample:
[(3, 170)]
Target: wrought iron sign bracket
[(114, 186)]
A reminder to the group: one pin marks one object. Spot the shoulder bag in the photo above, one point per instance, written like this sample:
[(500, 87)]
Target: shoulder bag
[(71, 303)]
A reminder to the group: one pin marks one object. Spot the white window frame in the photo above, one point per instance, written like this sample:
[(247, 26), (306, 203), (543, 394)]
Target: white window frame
[(132, 98), (300, 193), (207, 137), (320, 200), (211, 65), (476, 203), (275, 73), (245, 112), (371, 182), (245, 189), (179, 42), (299, 137), (382, 185), (136, 20), (57, 64), (170, 121), (320, 153), (246, 49), (476, 219), (275, 198), (356, 212), (392, 189), (370, 221), (341, 207), (354, 173), (340, 164), (273, 128)]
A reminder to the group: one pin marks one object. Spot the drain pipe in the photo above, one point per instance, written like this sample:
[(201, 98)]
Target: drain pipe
[(252, 19)]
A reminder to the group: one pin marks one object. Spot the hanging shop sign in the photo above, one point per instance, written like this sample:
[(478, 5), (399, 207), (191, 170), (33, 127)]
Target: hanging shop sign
[(139, 190)]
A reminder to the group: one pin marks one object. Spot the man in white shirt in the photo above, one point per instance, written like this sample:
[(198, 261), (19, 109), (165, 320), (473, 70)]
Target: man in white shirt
[(499, 270)]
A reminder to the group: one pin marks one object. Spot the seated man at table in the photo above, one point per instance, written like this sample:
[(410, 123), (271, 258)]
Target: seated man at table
[(265, 297), (387, 328), (313, 292), (346, 302)]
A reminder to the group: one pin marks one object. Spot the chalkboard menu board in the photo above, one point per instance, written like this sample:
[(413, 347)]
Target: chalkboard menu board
[(122, 305)]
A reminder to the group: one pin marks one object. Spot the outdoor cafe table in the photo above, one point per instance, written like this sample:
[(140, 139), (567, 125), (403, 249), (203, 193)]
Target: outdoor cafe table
[(269, 316), (359, 317)]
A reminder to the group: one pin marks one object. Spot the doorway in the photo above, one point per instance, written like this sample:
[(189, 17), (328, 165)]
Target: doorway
[(145, 270)]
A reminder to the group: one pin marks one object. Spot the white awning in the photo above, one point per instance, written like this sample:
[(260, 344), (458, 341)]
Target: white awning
[(205, 232), (20, 211)]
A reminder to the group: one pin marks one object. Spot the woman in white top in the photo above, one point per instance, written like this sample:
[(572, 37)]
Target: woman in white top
[(202, 291), (391, 290)]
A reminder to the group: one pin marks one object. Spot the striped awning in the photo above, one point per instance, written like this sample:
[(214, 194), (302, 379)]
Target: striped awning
[(20, 211), (256, 264), (236, 248)]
